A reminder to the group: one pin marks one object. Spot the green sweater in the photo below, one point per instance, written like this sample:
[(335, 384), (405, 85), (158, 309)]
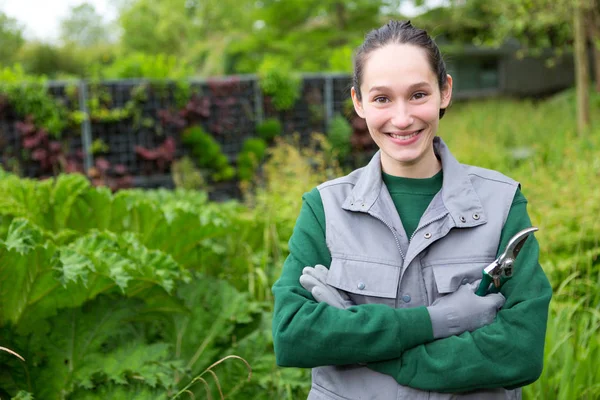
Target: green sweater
[(399, 342)]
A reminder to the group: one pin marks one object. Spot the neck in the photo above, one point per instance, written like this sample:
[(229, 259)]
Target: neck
[(426, 167)]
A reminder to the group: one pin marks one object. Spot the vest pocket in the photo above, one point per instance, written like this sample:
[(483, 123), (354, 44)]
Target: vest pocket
[(365, 282), (450, 275)]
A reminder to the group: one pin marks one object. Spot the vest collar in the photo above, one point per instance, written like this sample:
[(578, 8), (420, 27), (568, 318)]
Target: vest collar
[(458, 195)]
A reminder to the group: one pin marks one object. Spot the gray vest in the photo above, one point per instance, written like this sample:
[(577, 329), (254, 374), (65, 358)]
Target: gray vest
[(374, 261)]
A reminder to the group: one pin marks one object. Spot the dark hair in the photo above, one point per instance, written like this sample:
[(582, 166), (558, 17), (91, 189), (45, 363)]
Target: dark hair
[(399, 32)]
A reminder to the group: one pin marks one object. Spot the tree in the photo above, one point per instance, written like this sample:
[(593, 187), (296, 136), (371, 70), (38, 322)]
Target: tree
[(311, 34), (559, 25), (156, 26), (84, 27), (11, 38), (594, 35)]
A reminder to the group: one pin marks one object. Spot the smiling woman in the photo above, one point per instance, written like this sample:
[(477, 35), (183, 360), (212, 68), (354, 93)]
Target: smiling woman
[(378, 295), (402, 114)]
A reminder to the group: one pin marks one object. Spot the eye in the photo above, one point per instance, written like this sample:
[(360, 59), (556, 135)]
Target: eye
[(419, 95), (380, 99)]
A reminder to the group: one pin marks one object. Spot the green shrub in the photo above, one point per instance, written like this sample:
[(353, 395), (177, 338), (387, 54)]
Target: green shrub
[(140, 65), (29, 95), (207, 153), (338, 135), (278, 81), (252, 154), (269, 129)]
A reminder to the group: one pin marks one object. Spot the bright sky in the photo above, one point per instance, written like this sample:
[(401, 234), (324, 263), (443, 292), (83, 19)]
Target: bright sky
[(42, 17)]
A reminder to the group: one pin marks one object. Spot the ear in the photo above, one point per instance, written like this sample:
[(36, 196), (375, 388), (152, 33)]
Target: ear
[(357, 103), (446, 93)]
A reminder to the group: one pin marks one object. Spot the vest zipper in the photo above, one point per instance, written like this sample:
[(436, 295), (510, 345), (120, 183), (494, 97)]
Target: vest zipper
[(393, 233), (428, 223)]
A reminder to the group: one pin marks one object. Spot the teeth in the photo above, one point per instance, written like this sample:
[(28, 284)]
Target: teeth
[(404, 137)]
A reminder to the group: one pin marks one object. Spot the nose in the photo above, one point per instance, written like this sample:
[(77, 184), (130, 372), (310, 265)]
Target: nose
[(402, 118)]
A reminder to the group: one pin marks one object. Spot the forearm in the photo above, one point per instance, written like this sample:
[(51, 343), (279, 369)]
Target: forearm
[(508, 352), (310, 334)]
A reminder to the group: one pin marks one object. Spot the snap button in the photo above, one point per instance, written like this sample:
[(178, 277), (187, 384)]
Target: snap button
[(475, 216), (465, 281), (463, 219), (427, 235), (361, 285), (406, 298)]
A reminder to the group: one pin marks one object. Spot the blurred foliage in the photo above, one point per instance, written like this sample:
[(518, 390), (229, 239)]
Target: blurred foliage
[(207, 153), (222, 37), (269, 129), (250, 157), (29, 96), (278, 81), (84, 27), (142, 65), (494, 23), (186, 175), (11, 39), (338, 135)]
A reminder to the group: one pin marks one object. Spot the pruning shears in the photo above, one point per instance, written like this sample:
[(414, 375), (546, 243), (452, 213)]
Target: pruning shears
[(502, 267)]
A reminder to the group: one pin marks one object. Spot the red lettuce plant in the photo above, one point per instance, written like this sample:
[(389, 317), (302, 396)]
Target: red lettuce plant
[(161, 156), (115, 177)]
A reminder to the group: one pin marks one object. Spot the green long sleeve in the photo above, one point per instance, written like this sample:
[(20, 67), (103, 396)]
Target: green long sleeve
[(507, 353), (311, 334)]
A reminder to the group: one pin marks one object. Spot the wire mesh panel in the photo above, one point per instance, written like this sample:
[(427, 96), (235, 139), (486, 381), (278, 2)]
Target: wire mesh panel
[(31, 149), (341, 93), (232, 112), (136, 126), (308, 114)]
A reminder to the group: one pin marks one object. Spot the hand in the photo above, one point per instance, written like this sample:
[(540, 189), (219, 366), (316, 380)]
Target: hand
[(315, 281), (463, 311)]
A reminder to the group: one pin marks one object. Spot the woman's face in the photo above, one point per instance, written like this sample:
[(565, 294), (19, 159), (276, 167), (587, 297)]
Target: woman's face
[(401, 101)]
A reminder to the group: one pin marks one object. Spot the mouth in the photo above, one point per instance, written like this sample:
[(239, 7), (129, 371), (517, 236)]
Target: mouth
[(404, 136)]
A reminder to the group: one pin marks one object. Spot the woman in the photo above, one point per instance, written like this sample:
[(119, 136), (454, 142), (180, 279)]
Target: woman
[(405, 239)]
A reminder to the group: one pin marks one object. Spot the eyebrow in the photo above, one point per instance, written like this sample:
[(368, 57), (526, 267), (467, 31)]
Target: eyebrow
[(410, 88)]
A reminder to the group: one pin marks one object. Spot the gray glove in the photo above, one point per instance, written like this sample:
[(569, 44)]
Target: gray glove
[(463, 311), (315, 281)]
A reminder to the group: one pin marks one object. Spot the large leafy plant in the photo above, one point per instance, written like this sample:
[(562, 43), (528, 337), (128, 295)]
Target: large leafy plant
[(104, 298)]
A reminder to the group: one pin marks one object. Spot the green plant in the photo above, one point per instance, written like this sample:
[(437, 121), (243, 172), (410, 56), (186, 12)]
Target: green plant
[(278, 81), (269, 129), (250, 157), (99, 146), (338, 135), (106, 299), (186, 175), (207, 152), (29, 96)]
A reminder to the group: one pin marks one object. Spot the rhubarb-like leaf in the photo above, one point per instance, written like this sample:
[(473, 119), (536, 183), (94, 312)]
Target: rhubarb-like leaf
[(26, 198), (24, 259), (23, 395), (122, 392), (91, 210), (75, 343), (64, 194), (215, 307), (22, 236), (132, 361)]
